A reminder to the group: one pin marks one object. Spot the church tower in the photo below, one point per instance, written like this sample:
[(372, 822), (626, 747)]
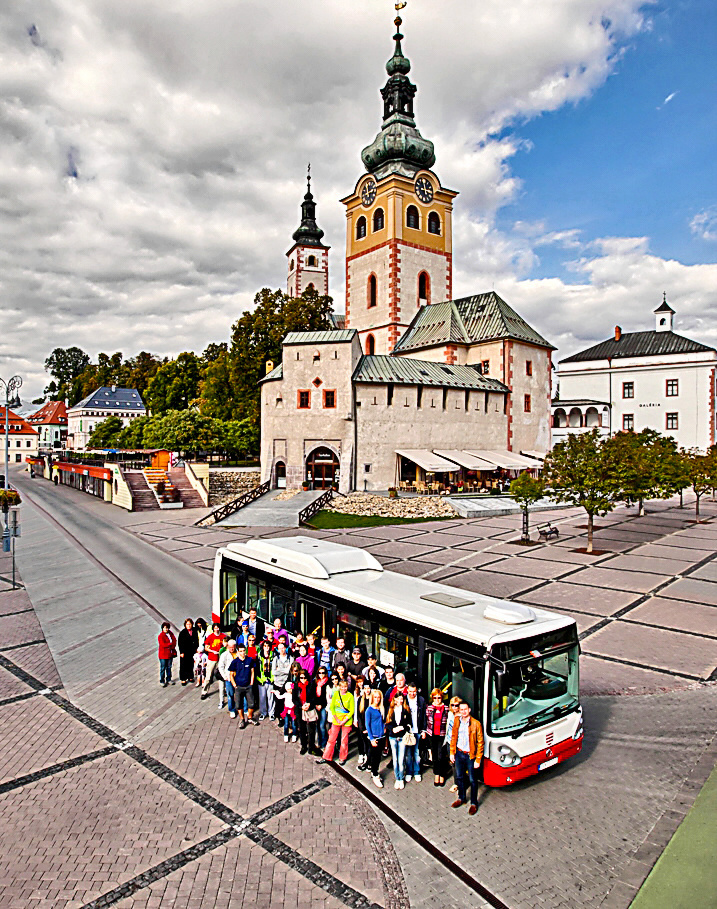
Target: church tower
[(399, 251), (308, 257)]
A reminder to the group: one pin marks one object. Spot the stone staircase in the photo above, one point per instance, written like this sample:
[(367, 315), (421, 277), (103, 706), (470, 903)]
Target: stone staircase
[(142, 496), (190, 497)]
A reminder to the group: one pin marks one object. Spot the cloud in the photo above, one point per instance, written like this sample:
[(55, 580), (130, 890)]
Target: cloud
[(704, 224), (152, 155), (667, 100)]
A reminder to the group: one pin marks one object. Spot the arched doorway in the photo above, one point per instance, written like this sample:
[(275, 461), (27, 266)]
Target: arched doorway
[(322, 468), (280, 475)]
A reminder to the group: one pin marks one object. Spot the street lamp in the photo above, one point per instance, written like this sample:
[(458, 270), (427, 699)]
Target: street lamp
[(12, 386)]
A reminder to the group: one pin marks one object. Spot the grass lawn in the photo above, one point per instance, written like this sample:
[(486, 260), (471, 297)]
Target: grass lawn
[(332, 520)]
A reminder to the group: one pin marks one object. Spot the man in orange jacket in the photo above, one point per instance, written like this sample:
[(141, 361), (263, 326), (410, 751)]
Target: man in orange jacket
[(466, 755)]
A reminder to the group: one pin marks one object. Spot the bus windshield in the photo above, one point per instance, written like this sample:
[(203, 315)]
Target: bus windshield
[(540, 684)]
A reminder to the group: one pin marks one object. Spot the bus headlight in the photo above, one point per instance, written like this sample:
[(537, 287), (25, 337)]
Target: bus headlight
[(579, 731), (507, 757)]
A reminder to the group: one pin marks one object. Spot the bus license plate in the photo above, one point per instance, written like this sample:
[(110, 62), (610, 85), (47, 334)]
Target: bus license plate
[(550, 763)]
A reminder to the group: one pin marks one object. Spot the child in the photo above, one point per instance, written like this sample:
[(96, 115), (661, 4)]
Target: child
[(288, 714), (200, 667)]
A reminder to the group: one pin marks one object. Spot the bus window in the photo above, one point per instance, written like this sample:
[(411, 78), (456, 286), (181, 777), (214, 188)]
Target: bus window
[(282, 607), (232, 587), (455, 677), (257, 596), (397, 650), (355, 631), (315, 618)]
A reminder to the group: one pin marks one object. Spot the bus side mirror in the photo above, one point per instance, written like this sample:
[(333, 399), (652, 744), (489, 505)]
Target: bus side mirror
[(501, 682)]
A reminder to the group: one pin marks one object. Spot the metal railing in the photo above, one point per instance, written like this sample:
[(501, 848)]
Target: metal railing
[(229, 508), (307, 513)]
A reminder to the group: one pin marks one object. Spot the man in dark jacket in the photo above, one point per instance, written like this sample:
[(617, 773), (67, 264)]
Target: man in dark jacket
[(257, 626), (416, 705), (356, 665)]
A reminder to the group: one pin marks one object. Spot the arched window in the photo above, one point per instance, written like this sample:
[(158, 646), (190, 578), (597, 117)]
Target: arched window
[(291, 265), (378, 219), (372, 291), (424, 285), (412, 217), (312, 262), (370, 345), (361, 228), (434, 223)]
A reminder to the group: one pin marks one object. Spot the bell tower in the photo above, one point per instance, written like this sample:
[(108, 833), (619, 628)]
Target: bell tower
[(308, 257), (399, 244)]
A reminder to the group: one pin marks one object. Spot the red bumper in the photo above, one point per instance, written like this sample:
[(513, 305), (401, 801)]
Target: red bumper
[(496, 775)]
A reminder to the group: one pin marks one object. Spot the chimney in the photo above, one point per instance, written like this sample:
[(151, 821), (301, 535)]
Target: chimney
[(618, 332)]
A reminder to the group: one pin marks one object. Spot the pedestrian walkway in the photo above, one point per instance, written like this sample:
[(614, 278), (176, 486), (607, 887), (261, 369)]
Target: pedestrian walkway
[(685, 876), (267, 512), (495, 506)]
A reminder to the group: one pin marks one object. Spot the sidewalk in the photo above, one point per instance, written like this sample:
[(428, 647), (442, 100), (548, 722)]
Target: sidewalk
[(267, 512), (685, 876)]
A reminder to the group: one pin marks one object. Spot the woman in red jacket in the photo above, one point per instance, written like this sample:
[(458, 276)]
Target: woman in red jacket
[(167, 652)]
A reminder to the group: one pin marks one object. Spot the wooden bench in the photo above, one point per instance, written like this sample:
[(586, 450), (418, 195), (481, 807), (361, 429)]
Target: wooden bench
[(548, 532)]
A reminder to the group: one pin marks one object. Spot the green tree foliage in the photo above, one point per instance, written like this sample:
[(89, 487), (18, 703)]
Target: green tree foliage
[(581, 471), (216, 398), (213, 352), (115, 370), (644, 465), (240, 437), (175, 385), (132, 436), (183, 431), (701, 473), (64, 364), (526, 491), (106, 434)]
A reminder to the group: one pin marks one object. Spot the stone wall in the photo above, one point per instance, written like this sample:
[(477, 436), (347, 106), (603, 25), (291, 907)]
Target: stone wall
[(229, 483)]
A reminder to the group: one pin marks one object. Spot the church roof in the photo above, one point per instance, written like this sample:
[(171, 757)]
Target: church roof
[(308, 232), (407, 371), (470, 320), (639, 344)]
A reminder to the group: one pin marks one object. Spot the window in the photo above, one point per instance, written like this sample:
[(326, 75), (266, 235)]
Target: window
[(412, 217), (370, 345), (423, 286), (28, 444), (434, 223), (672, 388), (279, 401), (367, 468), (485, 367), (389, 395), (329, 398), (317, 356), (419, 397), (372, 291), (529, 367), (672, 421), (291, 265), (526, 403), (361, 228), (628, 389), (312, 262), (628, 422), (378, 219), (303, 400), (18, 459)]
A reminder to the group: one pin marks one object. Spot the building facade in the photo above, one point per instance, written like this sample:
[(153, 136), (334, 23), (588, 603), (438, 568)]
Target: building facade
[(83, 418), (50, 421), (638, 380), (22, 439)]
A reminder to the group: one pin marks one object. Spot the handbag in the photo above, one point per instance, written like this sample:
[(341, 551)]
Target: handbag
[(409, 739), (310, 715)]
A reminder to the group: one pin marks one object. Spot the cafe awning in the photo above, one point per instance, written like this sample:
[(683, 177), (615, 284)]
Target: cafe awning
[(428, 461), (467, 460), (506, 460), (538, 455)]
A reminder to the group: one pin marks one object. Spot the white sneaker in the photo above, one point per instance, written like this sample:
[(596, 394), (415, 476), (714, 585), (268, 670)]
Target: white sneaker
[(397, 784), (454, 788), (286, 738), (408, 778), (377, 782), (401, 785), (220, 707), (293, 738), (232, 714), (418, 777)]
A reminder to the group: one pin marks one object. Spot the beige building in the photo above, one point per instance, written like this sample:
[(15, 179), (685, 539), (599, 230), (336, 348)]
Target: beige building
[(414, 373), (107, 401)]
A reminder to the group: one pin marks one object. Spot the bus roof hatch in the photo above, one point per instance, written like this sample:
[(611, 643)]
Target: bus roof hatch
[(307, 556)]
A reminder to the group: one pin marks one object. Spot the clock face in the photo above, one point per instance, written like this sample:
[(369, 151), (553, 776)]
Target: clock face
[(368, 193), (424, 190)]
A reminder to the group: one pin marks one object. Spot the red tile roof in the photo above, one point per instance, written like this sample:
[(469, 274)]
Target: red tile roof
[(52, 412), (17, 425)]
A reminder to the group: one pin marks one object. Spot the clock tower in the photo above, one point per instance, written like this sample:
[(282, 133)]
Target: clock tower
[(399, 251)]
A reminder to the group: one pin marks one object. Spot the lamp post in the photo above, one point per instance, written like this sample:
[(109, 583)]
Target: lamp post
[(12, 386)]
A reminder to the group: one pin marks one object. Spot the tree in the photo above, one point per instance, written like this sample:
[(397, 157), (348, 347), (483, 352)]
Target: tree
[(106, 433), (580, 471), (132, 436), (216, 396), (183, 431), (240, 437), (701, 472), (642, 463), (64, 364), (526, 491), (213, 352), (139, 370), (175, 385)]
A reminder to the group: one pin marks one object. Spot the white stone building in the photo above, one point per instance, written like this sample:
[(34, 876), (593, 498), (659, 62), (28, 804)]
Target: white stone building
[(638, 380), (83, 417), (22, 439), (50, 421)]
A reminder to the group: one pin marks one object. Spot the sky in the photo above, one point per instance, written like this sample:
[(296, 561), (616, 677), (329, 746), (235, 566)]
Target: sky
[(153, 159)]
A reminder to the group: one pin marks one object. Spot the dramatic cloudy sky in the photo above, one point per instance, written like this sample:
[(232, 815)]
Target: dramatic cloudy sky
[(152, 159)]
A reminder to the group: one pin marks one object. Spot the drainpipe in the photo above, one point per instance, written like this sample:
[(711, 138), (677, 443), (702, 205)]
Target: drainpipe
[(609, 399)]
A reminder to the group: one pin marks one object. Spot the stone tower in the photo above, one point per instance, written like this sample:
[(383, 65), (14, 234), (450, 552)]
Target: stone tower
[(308, 257)]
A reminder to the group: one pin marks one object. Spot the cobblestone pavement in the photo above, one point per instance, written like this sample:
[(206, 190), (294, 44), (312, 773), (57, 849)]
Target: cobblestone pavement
[(131, 795)]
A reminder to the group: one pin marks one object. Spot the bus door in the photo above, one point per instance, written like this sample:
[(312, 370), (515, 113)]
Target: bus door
[(314, 617), (355, 631), (282, 607), (393, 648), (454, 675), (233, 589)]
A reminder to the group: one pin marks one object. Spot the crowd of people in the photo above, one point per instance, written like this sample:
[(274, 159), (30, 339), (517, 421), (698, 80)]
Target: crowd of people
[(319, 694)]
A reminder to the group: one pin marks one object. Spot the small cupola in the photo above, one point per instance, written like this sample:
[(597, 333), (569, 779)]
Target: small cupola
[(664, 315)]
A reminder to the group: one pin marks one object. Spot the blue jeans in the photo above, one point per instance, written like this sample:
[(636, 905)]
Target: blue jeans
[(165, 671), (398, 751), (229, 689), (322, 731), (291, 727), (464, 765), (413, 759)]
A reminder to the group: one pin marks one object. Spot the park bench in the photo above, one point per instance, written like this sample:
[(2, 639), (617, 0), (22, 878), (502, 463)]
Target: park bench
[(548, 532)]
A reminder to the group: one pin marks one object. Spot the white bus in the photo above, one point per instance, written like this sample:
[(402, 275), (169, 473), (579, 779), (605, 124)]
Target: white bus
[(516, 665)]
